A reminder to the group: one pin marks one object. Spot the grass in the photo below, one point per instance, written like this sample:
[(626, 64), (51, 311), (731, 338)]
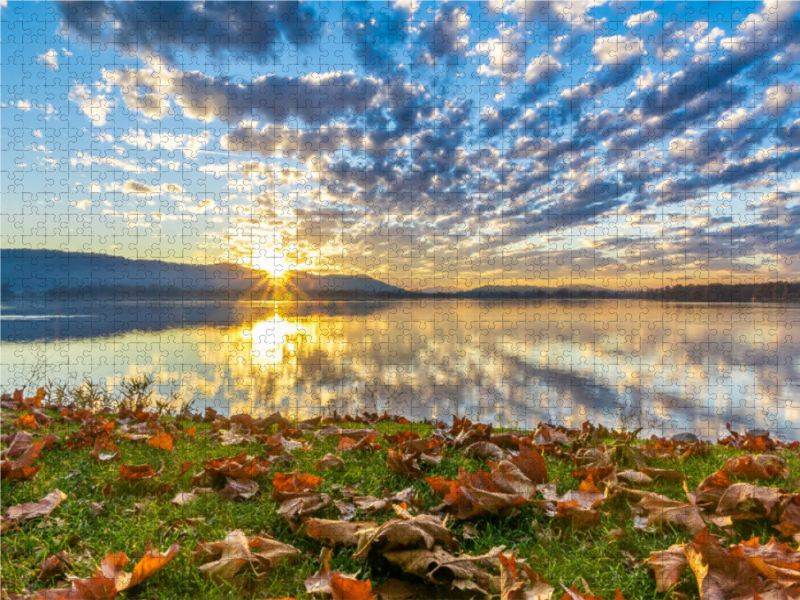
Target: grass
[(136, 513)]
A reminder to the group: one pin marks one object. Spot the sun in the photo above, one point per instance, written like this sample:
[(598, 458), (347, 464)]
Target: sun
[(272, 261)]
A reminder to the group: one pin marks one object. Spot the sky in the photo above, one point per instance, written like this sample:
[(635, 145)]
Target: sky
[(434, 146)]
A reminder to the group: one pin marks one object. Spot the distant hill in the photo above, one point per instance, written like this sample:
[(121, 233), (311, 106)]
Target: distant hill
[(92, 276)]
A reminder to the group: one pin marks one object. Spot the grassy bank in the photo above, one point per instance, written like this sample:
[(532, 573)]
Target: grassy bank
[(103, 514)]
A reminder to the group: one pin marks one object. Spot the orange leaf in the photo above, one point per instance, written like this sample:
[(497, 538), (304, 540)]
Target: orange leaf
[(294, 483), (138, 472), (162, 441), (347, 588)]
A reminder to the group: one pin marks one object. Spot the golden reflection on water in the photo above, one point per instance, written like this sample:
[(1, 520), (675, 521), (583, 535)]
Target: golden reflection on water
[(635, 363), (630, 362)]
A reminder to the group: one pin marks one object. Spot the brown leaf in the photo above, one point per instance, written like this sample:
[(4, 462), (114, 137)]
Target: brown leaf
[(302, 505), (238, 467), (111, 578), (33, 510), (185, 466), (223, 560), (151, 562), (662, 474), (777, 562), (422, 531), (664, 511), (329, 461), (513, 588), (635, 477), (396, 589), (20, 442), (719, 574), (485, 450), (184, 498), (531, 463), (762, 466), (103, 443), (336, 532), (758, 500), (239, 489), (288, 485), (54, 566), (711, 489), (404, 464), (138, 472), (464, 572), (668, 566), (22, 468)]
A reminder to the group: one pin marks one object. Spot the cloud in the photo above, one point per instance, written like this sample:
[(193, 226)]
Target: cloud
[(136, 187), (636, 20), (164, 28), (49, 59), (96, 107)]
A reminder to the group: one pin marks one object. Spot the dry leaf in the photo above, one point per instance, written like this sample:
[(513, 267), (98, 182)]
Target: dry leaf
[(223, 560), (763, 466), (138, 472), (329, 461), (33, 510), (184, 498), (162, 441), (422, 531), (336, 532), (239, 489), (288, 485)]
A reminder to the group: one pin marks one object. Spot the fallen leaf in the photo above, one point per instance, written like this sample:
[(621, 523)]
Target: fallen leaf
[(287, 485), (336, 532), (33, 510), (763, 466), (422, 531), (184, 498), (20, 442), (668, 566), (239, 489), (464, 572), (664, 511), (162, 441), (223, 560), (404, 464), (485, 450), (151, 562), (329, 461), (302, 505), (349, 588), (531, 463), (746, 501), (54, 566), (111, 578), (513, 588), (22, 468), (138, 472), (102, 443)]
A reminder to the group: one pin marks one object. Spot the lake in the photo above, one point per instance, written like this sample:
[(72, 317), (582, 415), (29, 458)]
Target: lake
[(667, 368)]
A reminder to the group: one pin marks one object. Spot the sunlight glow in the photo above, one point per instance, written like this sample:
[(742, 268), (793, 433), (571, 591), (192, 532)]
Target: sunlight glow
[(272, 261)]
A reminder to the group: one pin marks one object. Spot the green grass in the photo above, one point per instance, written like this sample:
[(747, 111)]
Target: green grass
[(560, 554)]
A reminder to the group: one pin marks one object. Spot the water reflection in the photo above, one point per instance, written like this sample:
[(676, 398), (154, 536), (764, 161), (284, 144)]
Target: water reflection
[(668, 368)]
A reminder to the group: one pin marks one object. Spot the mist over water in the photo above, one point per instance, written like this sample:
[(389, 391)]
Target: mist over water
[(667, 368)]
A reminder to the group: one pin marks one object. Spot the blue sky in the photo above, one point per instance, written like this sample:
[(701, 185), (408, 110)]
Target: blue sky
[(431, 145)]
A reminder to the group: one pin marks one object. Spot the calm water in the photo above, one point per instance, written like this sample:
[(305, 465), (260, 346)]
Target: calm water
[(668, 368)]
